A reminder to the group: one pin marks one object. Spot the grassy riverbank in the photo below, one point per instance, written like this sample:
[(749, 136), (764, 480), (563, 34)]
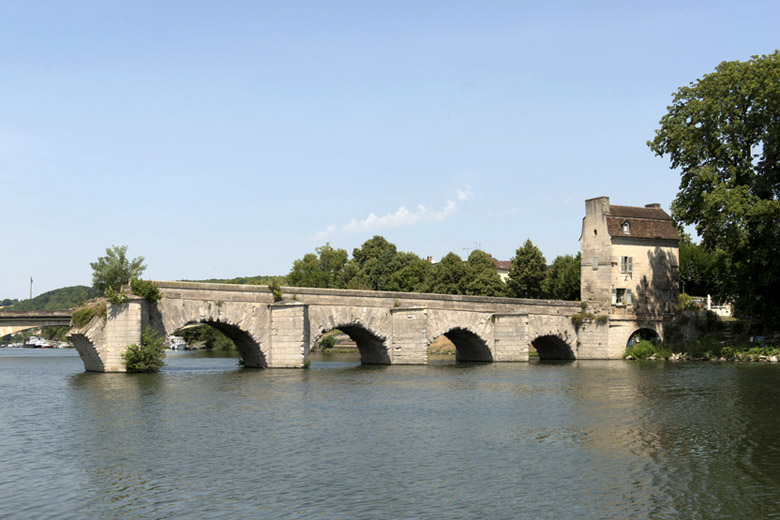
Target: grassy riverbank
[(704, 351)]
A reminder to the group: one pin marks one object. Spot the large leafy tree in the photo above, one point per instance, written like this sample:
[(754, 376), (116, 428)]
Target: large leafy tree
[(702, 271), (563, 282), (528, 272), (723, 133), (481, 277), (112, 271), (373, 264), (447, 275), (324, 269)]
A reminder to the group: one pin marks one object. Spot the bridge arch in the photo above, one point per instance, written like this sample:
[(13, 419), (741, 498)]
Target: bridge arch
[(368, 327), (250, 351), (553, 337), (551, 346), (642, 333), (245, 324), (469, 346), (470, 332)]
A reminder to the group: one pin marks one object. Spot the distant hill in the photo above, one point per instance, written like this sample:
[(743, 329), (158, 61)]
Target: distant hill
[(58, 299), (245, 280)]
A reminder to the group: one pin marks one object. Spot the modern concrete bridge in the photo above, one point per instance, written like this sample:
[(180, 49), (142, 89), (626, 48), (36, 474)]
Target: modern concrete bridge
[(388, 327), (12, 322)]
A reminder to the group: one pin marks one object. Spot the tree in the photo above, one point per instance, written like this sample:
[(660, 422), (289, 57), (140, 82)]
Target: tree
[(447, 276), (412, 276), (115, 269), (723, 133), (373, 264), (563, 282), (324, 269), (527, 272), (702, 271), (481, 278)]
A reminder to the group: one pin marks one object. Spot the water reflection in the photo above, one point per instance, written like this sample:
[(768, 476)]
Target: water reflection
[(205, 438)]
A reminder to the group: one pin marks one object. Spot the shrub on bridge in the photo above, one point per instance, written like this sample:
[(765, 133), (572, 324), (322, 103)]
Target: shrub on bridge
[(83, 315), (146, 290), (149, 356)]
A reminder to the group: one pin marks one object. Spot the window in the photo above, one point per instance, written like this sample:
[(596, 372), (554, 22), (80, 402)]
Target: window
[(622, 297), (595, 263), (626, 228), (627, 264)]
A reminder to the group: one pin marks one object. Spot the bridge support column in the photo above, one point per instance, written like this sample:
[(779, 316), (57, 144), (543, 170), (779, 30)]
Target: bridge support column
[(409, 345), (125, 323), (288, 342), (510, 337)]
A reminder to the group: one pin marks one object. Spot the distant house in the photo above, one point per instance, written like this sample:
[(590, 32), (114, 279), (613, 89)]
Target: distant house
[(630, 260), (502, 266)]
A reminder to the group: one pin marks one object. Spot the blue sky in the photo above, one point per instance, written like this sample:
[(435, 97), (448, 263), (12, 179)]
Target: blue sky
[(222, 139)]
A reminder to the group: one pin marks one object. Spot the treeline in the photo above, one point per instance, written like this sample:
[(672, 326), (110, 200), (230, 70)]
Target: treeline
[(378, 265), (58, 299)]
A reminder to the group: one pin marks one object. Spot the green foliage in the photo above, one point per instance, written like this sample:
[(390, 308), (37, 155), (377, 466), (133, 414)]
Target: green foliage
[(83, 315), (116, 296), (685, 302), (115, 269), (207, 336), (721, 132), (149, 356), (58, 299), (324, 269), (373, 265), (447, 275), (276, 291), (246, 280), (482, 277), (413, 276), (642, 349), (527, 273), (145, 289), (563, 282), (702, 271), (328, 342)]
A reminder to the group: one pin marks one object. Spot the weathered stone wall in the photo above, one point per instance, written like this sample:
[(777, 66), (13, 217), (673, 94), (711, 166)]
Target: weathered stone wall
[(596, 252), (387, 327)]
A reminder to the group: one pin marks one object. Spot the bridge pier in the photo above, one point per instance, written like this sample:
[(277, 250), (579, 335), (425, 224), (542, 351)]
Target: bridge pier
[(510, 337), (288, 345), (409, 345)]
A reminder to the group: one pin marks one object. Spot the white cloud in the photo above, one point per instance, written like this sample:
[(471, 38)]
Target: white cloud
[(325, 232), (400, 218)]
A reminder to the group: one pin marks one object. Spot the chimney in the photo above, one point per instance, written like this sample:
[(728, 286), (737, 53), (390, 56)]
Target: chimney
[(653, 205)]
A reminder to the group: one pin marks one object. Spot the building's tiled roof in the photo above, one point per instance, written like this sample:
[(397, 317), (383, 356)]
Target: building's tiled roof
[(637, 212), (502, 265), (652, 222)]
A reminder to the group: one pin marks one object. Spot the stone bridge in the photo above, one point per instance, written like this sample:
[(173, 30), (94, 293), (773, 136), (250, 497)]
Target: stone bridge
[(12, 322), (388, 327)]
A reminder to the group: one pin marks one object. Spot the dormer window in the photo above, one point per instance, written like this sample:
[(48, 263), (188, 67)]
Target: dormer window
[(626, 228)]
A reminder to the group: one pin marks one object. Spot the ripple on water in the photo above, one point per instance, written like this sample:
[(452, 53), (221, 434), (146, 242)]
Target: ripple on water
[(207, 439)]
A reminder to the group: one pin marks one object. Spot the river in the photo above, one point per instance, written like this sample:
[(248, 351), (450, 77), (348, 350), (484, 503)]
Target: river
[(207, 439)]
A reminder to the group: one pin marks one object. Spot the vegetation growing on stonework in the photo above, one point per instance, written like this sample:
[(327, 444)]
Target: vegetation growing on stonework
[(83, 315), (111, 272), (145, 289), (149, 356)]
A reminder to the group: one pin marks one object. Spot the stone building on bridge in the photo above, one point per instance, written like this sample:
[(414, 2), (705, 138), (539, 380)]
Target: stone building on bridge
[(630, 267)]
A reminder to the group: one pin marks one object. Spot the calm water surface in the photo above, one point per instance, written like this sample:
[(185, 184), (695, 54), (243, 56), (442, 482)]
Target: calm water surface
[(206, 439)]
